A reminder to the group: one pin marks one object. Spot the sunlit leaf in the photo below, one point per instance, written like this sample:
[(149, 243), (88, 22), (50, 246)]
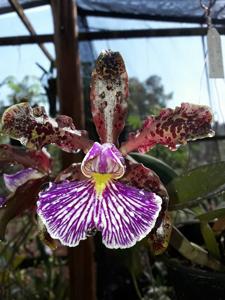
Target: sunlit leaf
[(18, 259), (134, 121), (193, 252), (210, 240)]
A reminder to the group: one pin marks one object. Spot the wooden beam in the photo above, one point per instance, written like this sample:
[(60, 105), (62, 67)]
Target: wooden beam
[(20, 12), (147, 16), (144, 33), (31, 4), (111, 34), (123, 15), (81, 258), (26, 39)]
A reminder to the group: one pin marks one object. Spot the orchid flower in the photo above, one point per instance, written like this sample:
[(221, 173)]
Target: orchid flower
[(107, 192)]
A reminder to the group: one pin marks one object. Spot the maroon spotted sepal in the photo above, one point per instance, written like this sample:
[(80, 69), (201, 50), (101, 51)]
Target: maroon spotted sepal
[(109, 92), (171, 128), (34, 129)]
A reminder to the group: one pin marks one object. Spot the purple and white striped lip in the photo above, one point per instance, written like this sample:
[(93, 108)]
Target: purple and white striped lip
[(123, 214), (103, 159)]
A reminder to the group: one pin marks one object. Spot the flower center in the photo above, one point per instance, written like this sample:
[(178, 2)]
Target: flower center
[(103, 160), (101, 181)]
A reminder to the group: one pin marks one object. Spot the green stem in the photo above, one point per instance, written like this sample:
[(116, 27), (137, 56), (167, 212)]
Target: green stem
[(136, 285)]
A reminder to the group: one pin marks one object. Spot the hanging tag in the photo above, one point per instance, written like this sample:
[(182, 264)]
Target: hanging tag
[(215, 57)]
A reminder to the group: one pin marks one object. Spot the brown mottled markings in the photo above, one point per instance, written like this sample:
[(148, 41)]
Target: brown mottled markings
[(102, 95)]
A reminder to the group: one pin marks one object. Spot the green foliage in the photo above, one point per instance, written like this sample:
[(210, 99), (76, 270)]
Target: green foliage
[(196, 184), (191, 190), (177, 160), (134, 121), (146, 98), (27, 271), (193, 252), (28, 89), (55, 154), (210, 240), (211, 215)]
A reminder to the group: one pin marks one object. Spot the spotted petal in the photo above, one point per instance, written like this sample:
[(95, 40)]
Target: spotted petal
[(34, 129), (13, 181), (172, 128), (71, 211), (109, 92)]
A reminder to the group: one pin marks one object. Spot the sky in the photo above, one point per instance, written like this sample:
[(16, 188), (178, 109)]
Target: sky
[(179, 61)]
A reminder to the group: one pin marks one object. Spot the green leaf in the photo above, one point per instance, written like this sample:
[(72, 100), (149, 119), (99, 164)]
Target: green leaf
[(210, 240), (193, 252), (14, 86), (196, 183), (218, 213), (164, 171), (134, 121)]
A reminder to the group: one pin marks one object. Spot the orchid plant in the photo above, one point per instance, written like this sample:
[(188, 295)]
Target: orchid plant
[(108, 191)]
